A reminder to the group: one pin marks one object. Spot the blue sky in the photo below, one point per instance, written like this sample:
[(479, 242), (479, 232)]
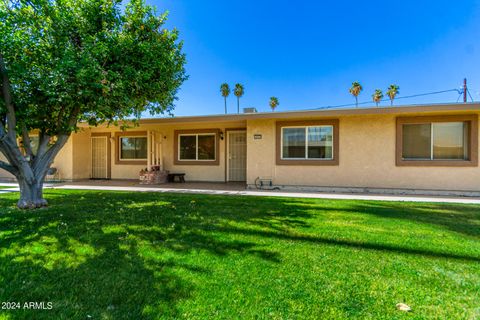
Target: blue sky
[(307, 53)]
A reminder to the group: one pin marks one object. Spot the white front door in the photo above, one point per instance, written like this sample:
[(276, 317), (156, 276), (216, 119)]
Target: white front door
[(99, 158), (237, 156)]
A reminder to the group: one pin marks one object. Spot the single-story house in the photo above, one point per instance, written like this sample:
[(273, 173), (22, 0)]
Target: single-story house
[(402, 148)]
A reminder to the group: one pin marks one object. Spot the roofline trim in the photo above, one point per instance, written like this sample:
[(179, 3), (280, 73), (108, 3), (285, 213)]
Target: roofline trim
[(317, 113)]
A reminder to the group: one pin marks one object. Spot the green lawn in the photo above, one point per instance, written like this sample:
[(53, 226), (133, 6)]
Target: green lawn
[(114, 255)]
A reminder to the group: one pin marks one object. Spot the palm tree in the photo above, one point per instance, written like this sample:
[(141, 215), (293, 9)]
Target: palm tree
[(392, 91), (274, 103), (377, 96), (355, 90), (225, 91), (238, 92)]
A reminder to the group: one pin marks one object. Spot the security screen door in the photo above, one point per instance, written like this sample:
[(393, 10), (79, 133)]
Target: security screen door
[(237, 156), (99, 158)]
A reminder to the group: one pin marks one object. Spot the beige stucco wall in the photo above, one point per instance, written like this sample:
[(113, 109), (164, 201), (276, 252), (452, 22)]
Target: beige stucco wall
[(64, 161), (81, 155), (193, 172), (367, 159)]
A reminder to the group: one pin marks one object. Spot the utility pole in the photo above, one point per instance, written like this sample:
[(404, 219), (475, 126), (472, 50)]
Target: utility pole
[(465, 90)]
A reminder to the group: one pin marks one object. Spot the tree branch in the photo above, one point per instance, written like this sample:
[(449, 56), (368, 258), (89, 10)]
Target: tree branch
[(27, 144), (13, 162), (3, 133), (11, 150), (44, 160), (7, 97), (43, 140), (8, 156), (8, 167), (41, 164)]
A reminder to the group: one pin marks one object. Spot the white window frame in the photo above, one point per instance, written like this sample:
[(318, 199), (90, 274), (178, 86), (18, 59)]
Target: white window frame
[(306, 158), (120, 148), (196, 146)]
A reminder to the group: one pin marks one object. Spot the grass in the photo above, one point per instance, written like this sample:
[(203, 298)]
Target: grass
[(114, 255)]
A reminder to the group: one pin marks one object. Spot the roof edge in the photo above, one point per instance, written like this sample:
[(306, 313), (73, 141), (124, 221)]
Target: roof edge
[(421, 108)]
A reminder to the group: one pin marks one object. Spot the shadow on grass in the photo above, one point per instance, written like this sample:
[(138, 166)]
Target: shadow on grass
[(119, 255), (463, 219), (123, 255), (351, 244)]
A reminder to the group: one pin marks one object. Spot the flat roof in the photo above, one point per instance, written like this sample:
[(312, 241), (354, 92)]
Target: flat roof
[(323, 112), (311, 113)]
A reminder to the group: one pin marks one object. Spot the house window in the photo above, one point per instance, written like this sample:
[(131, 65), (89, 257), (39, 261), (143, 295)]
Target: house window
[(435, 141), (133, 148), (441, 140), (308, 142), (197, 147)]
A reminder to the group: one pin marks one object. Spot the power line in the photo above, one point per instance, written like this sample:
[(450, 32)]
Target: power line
[(426, 94), (468, 91), (397, 98), (459, 96)]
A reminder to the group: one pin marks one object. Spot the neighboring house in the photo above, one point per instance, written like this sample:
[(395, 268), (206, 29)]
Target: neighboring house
[(422, 147)]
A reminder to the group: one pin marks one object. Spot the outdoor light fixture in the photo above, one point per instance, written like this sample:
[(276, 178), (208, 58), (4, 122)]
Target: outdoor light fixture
[(221, 135)]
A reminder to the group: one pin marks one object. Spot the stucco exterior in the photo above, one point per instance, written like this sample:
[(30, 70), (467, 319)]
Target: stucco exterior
[(367, 160), (367, 151), (166, 131)]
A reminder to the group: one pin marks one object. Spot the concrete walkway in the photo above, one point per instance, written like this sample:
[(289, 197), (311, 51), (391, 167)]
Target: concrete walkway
[(234, 189)]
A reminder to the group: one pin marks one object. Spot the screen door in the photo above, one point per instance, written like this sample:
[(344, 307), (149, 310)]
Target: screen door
[(99, 158), (237, 156)]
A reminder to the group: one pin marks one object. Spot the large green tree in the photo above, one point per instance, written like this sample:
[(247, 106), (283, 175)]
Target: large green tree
[(69, 61)]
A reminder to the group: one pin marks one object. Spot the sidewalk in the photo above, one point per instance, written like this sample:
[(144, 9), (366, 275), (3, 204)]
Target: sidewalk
[(263, 193), (229, 190)]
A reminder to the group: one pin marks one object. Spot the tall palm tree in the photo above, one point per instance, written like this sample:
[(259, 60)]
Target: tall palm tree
[(225, 91), (392, 91), (238, 92), (355, 90), (274, 103), (377, 96)]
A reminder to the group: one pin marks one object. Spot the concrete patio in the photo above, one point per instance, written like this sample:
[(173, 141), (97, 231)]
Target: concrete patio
[(229, 186), (134, 185)]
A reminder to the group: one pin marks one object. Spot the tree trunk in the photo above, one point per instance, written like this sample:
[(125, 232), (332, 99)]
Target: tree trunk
[(31, 193)]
